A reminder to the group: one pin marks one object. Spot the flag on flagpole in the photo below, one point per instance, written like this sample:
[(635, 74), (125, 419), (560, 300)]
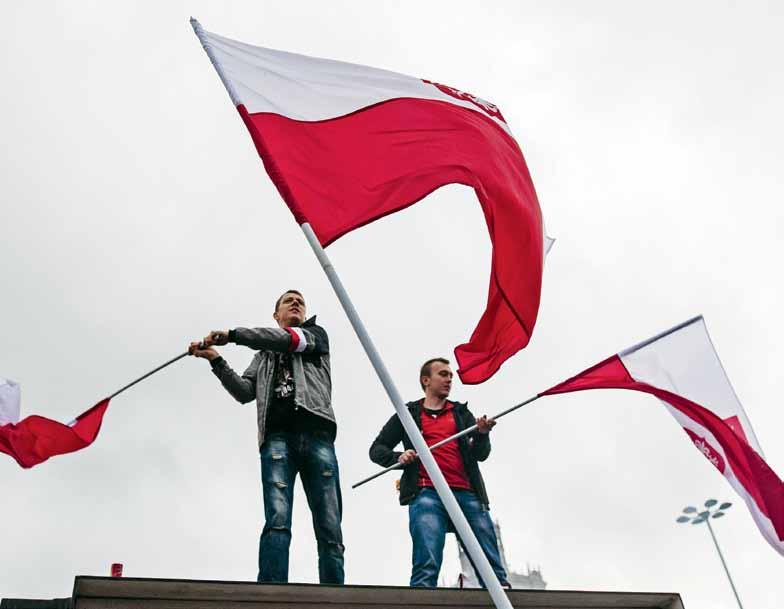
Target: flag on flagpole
[(683, 370), (348, 144), (34, 439)]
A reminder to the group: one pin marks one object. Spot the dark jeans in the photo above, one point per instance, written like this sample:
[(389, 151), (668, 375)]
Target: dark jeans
[(429, 523), (312, 455)]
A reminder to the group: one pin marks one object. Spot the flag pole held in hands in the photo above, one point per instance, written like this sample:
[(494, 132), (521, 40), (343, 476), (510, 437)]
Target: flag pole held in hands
[(459, 434), (153, 371), (150, 373)]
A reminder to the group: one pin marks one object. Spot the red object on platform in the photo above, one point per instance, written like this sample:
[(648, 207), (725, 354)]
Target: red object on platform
[(35, 439), (347, 144), (117, 569)]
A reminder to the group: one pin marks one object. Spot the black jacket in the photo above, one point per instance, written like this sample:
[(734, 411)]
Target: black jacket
[(474, 447)]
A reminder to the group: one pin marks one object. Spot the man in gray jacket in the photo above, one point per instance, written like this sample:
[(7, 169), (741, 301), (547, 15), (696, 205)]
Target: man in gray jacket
[(289, 378)]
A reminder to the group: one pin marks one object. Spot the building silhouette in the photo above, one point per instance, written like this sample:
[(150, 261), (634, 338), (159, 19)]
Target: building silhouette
[(530, 580)]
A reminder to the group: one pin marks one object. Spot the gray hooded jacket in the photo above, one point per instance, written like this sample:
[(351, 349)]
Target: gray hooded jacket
[(309, 348)]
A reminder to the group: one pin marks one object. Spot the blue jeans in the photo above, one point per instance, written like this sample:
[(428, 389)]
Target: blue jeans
[(312, 455), (428, 523)]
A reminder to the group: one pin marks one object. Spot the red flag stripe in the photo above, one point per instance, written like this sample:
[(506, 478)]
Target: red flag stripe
[(35, 439), (343, 173), (347, 144)]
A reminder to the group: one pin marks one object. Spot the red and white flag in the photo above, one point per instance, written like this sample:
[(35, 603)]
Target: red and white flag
[(682, 369), (347, 144), (34, 439)]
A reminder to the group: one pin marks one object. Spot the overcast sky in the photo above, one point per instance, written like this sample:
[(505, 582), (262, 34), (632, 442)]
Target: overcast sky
[(136, 216)]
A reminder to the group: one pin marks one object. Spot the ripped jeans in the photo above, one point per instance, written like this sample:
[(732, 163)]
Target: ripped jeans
[(312, 455)]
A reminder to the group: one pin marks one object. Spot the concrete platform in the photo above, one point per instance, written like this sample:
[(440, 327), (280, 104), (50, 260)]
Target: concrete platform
[(137, 593)]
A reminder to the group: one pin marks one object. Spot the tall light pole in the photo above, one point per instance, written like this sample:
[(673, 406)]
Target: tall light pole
[(705, 516)]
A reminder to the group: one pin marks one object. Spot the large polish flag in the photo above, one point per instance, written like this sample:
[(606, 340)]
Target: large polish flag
[(683, 370), (347, 144), (35, 439)]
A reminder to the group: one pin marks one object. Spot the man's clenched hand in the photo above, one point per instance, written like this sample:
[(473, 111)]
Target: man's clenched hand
[(198, 349), (407, 457), (217, 338), (484, 425)]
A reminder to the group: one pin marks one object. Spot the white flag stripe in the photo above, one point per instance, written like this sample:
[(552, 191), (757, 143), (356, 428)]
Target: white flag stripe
[(310, 88), (685, 362), (10, 400)]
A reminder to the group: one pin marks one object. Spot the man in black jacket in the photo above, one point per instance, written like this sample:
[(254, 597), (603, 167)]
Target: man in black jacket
[(428, 521)]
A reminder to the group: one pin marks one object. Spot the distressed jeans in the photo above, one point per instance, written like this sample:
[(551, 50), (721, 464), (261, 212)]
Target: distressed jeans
[(312, 455), (428, 523)]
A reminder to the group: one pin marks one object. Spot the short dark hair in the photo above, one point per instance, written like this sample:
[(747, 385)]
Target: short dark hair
[(427, 368), (277, 302)]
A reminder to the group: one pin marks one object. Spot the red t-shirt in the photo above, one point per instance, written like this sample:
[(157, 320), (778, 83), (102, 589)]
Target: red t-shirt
[(436, 426)]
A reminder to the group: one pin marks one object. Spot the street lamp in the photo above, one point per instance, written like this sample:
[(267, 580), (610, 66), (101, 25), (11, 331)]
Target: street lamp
[(698, 517)]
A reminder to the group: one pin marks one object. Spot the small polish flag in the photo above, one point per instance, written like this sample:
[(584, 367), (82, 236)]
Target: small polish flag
[(35, 439)]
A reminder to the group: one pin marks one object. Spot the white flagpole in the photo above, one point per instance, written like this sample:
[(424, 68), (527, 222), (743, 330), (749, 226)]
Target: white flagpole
[(500, 600)]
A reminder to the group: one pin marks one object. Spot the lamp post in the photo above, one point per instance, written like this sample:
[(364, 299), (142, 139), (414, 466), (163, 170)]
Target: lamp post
[(692, 515)]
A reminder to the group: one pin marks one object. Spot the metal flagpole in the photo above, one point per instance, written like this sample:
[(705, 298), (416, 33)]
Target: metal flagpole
[(500, 600), (459, 434), (724, 564), (139, 380), (150, 373)]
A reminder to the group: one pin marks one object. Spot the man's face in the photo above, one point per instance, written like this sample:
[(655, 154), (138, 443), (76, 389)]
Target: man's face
[(291, 311), (439, 383)]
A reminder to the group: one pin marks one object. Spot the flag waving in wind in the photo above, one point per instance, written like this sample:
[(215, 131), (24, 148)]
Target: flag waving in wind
[(35, 439), (347, 144), (682, 369)]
